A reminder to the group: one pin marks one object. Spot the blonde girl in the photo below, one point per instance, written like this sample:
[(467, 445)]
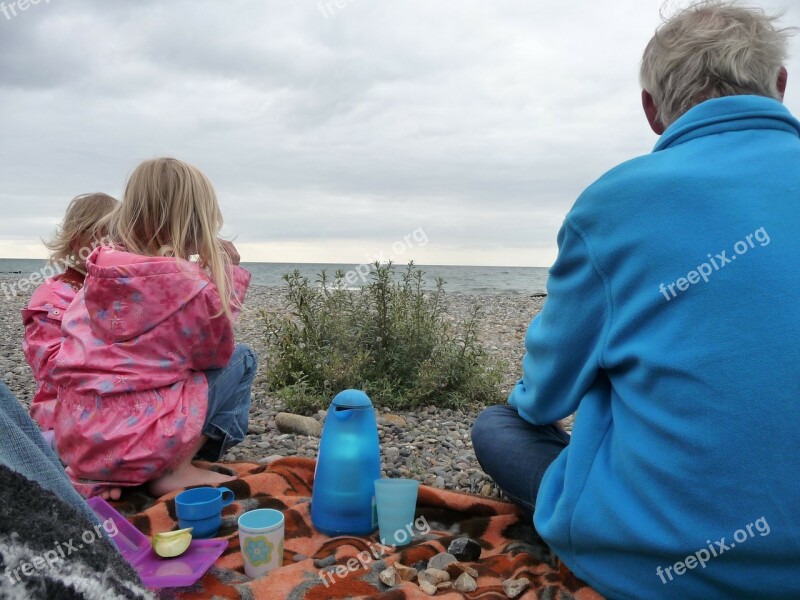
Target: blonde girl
[(149, 376)]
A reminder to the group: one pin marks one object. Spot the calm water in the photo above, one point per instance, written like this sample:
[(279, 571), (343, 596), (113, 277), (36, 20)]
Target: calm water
[(467, 280)]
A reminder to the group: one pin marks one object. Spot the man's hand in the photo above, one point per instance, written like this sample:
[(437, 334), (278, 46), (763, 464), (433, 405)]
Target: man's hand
[(230, 250)]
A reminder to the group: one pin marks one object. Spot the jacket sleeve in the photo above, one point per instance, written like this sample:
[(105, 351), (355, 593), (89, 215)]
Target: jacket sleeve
[(564, 342), (215, 345), (42, 340)]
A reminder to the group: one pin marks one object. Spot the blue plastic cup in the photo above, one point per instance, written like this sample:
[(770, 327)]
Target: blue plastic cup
[(201, 509), (396, 502)]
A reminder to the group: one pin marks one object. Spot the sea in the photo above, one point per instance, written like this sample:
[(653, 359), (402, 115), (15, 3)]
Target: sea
[(458, 279)]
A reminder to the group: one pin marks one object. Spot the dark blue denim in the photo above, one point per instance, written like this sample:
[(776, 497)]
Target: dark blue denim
[(516, 453), (229, 393)]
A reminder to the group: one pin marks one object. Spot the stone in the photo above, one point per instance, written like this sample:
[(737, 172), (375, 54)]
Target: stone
[(465, 549), (428, 588), (445, 585), (390, 577), (434, 576), (269, 459), (514, 587), (406, 573), (299, 557), (441, 560), (465, 584), (396, 420), (457, 568), (298, 424)]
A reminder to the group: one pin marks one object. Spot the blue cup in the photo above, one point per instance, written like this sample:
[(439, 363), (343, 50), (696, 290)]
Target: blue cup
[(396, 502), (201, 509)]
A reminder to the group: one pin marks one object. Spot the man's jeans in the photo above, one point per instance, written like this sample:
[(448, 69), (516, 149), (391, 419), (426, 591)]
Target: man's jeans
[(24, 450), (516, 453)]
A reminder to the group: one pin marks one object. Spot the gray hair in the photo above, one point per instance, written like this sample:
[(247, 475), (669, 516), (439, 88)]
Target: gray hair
[(709, 50)]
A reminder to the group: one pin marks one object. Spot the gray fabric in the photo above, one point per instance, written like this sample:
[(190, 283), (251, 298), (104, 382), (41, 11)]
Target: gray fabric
[(50, 550), (24, 450)]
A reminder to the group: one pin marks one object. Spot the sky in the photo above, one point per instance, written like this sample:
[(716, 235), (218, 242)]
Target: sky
[(447, 132)]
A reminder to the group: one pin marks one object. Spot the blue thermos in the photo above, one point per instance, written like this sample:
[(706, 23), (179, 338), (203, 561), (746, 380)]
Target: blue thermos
[(349, 462)]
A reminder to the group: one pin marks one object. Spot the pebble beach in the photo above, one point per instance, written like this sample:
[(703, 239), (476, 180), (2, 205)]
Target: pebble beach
[(429, 444)]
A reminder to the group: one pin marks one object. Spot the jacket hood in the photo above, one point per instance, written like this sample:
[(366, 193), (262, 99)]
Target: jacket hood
[(127, 294)]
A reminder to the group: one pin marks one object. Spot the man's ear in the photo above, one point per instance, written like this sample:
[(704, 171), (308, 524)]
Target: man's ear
[(783, 75), (651, 112)]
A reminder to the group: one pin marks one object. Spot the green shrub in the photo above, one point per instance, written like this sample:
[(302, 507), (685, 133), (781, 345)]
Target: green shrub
[(389, 338)]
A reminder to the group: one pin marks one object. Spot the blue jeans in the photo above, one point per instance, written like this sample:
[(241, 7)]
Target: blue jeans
[(228, 403), (24, 450), (516, 453)]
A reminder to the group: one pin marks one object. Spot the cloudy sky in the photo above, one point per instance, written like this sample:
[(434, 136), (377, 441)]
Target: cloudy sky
[(330, 133)]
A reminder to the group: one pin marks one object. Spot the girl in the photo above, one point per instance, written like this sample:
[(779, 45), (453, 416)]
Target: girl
[(148, 375), (75, 239)]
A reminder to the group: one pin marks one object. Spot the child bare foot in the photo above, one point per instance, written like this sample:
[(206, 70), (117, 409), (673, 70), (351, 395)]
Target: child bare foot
[(111, 494), (184, 477)]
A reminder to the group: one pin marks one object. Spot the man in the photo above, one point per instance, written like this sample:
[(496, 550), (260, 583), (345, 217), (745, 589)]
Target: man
[(672, 327)]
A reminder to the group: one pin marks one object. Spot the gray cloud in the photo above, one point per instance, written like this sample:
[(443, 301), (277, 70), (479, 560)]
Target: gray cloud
[(481, 121)]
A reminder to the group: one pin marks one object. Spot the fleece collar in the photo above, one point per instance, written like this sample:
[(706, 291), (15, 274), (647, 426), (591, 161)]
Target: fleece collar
[(731, 113)]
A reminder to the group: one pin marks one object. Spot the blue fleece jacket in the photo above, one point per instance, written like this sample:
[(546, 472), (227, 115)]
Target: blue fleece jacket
[(672, 326)]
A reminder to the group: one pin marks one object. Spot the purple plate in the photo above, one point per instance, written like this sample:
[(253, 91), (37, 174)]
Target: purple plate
[(157, 572)]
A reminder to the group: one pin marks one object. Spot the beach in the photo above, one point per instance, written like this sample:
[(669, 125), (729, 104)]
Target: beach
[(429, 444)]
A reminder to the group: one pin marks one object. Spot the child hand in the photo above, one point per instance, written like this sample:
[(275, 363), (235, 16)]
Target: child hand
[(231, 251)]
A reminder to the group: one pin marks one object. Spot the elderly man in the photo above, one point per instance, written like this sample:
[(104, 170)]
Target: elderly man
[(672, 327)]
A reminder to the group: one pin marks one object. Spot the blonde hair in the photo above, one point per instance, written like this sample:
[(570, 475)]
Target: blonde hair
[(170, 209), (79, 231), (709, 50)]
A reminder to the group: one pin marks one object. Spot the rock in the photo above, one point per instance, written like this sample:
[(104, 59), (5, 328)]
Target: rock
[(457, 568), (255, 429), (441, 560), (434, 576), (465, 549), (428, 588), (445, 585), (390, 577), (514, 587), (299, 557), (396, 420), (270, 459), (406, 573), (297, 424), (465, 584)]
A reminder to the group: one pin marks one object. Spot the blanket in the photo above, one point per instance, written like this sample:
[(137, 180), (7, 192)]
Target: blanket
[(511, 547)]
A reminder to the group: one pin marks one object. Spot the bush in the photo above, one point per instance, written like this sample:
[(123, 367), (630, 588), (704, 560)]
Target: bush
[(389, 338)]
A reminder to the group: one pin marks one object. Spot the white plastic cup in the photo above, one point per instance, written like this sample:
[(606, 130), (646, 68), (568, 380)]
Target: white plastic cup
[(261, 541)]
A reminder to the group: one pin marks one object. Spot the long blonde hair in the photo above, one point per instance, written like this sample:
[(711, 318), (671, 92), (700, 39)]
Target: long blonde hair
[(170, 209), (79, 231)]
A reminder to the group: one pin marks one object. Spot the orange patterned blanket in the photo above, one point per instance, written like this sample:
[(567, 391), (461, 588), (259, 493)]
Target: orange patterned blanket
[(511, 548)]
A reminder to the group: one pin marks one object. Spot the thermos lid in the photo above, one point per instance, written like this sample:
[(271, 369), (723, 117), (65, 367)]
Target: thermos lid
[(352, 399)]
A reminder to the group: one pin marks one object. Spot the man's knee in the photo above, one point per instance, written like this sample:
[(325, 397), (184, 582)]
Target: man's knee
[(487, 425)]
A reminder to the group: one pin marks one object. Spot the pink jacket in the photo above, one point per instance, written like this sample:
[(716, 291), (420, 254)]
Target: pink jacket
[(132, 395), (42, 322)]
